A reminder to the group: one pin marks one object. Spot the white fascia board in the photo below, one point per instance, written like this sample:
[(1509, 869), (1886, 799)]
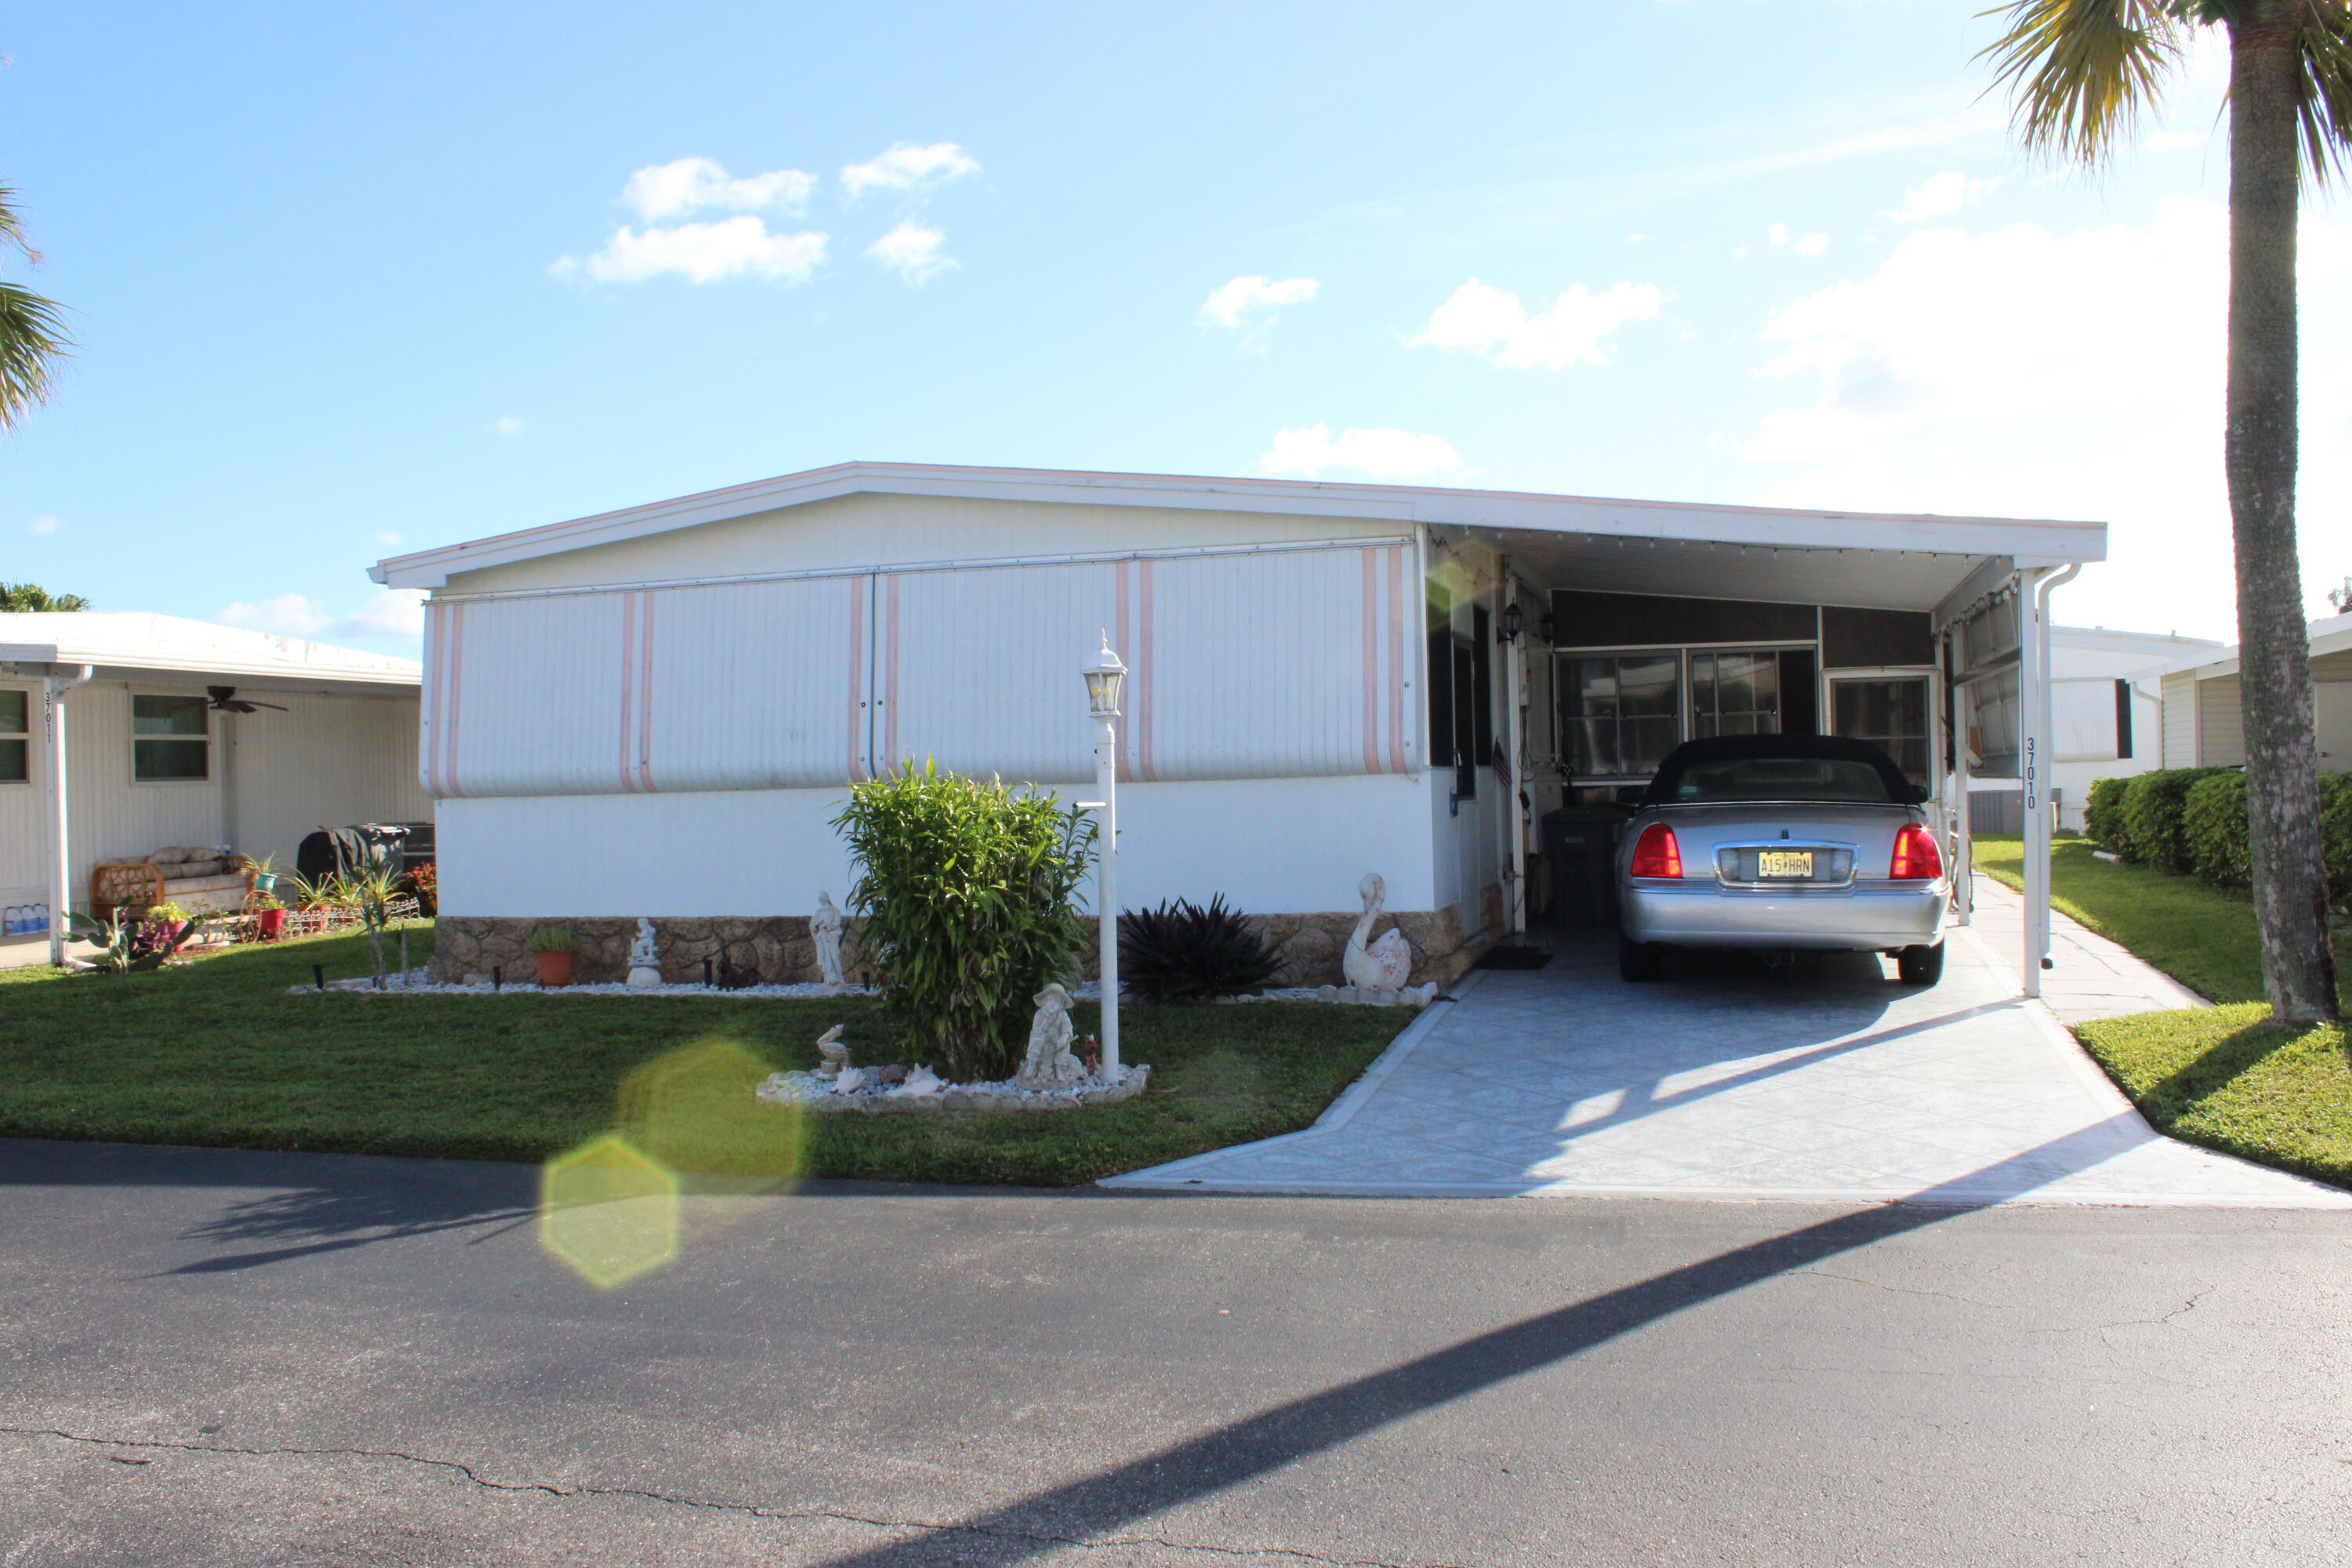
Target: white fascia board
[(2038, 540), (2332, 634)]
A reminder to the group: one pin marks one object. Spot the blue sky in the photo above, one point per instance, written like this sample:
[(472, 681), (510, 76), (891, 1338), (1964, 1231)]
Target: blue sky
[(348, 283)]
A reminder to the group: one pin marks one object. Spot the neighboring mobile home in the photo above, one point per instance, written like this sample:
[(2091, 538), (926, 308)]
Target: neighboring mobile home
[(658, 711), (2204, 723), (156, 757)]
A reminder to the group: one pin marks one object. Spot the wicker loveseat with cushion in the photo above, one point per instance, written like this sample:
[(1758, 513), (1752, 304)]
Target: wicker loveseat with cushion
[(194, 879)]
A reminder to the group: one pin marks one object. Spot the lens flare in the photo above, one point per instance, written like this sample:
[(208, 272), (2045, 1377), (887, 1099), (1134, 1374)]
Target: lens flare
[(696, 1108), (607, 1212)]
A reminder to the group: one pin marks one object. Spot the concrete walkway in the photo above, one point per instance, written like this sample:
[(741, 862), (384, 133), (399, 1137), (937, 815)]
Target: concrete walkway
[(1728, 1080)]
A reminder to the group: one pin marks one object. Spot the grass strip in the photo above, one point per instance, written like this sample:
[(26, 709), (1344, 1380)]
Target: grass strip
[(216, 1053), (2223, 1076)]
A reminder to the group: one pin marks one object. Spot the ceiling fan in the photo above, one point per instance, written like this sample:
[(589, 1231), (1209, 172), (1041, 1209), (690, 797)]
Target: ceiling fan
[(224, 699)]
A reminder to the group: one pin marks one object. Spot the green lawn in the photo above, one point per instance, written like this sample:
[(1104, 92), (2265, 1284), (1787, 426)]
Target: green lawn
[(2224, 1077), (218, 1053)]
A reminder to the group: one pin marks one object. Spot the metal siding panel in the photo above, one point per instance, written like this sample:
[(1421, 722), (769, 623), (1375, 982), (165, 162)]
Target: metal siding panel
[(331, 759), (985, 666), (749, 686), (2179, 722), (535, 701), (2221, 723)]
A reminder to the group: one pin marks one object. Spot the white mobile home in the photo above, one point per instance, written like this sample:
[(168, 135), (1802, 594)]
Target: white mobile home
[(2204, 717), (181, 733), (656, 711)]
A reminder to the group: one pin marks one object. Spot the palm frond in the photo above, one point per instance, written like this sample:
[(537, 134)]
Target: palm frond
[(33, 338), (2325, 58), (2081, 73), (11, 227)]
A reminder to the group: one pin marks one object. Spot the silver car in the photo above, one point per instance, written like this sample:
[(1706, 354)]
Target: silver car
[(1782, 842)]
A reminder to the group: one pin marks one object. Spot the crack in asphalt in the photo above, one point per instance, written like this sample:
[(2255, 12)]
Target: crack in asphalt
[(2185, 1307), (714, 1504), (1897, 1289)]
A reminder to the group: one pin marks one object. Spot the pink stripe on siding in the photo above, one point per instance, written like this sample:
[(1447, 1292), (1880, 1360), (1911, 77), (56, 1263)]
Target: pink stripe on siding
[(1120, 624), (1145, 660), (1396, 658), (890, 670), (646, 693), (858, 589), (457, 696), (437, 646), (1371, 664), (628, 687)]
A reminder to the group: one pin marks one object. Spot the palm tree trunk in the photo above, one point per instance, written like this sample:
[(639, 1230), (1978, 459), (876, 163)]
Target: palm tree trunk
[(2274, 660)]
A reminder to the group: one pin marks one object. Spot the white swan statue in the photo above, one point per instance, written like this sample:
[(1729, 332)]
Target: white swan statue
[(1382, 966)]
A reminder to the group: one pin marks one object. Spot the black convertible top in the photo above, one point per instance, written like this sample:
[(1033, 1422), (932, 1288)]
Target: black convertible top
[(1740, 748)]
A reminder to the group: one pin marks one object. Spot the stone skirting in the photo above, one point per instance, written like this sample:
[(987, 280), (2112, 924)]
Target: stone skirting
[(779, 951)]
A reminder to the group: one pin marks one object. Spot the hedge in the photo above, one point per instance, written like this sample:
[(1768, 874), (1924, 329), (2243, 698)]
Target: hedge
[(2192, 821)]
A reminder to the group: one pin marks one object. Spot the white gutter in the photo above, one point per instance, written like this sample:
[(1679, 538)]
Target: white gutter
[(53, 735)]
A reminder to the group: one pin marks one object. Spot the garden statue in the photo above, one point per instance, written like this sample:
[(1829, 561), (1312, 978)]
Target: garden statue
[(645, 964), (833, 1054), (1049, 1064), (1382, 966), (825, 927)]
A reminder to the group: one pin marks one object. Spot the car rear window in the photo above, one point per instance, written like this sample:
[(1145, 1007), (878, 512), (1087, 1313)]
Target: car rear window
[(1775, 778)]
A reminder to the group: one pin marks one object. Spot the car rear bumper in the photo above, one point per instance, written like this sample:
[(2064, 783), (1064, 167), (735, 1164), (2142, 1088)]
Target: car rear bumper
[(1706, 915)]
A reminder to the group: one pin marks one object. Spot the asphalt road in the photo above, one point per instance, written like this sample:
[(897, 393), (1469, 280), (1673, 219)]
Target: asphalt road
[(214, 1357)]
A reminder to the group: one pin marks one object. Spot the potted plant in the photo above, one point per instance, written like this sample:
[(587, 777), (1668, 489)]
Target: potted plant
[(165, 921), (265, 874), (554, 950), (268, 916)]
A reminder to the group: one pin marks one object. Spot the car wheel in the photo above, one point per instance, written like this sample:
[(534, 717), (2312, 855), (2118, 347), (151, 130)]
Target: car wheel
[(1639, 961), (1920, 965)]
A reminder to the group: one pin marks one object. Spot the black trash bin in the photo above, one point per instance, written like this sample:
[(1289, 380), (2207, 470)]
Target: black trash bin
[(1580, 843)]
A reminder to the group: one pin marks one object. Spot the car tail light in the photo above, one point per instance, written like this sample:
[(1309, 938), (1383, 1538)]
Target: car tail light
[(1917, 858), (1657, 854)]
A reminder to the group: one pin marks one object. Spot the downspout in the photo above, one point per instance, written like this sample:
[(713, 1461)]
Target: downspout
[(2033, 697), (1962, 698), (1515, 741), (53, 733)]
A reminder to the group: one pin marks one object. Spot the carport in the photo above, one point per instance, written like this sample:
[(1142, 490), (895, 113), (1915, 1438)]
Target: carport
[(1631, 626)]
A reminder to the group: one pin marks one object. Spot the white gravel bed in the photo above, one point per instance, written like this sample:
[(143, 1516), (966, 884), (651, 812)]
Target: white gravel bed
[(860, 1091)]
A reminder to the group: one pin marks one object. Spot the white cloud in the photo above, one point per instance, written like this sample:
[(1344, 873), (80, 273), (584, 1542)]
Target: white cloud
[(1938, 195), (1573, 330), (1958, 379), (388, 536), (1249, 305), (1383, 454), (390, 615), (697, 184), (508, 425), (912, 252), (2174, 140), (908, 168), (1803, 245), (700, 253), (43, 525)]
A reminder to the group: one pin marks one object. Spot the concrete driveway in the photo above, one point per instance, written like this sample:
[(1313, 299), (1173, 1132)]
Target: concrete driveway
[(1728, 1080)]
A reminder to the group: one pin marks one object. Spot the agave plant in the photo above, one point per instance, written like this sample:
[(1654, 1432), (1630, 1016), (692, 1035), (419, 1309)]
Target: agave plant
[(1184, 952)]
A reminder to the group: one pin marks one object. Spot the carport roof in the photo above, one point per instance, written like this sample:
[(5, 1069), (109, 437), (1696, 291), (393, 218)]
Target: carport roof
[(126, 642), (1904, 561)]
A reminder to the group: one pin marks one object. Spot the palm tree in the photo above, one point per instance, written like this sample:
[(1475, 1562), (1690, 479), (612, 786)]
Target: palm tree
[(2080, 73), (32, 329), (33, 597)]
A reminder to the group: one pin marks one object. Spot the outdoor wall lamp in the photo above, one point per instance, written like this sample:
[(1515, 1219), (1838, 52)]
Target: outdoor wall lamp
[(1514, 619)]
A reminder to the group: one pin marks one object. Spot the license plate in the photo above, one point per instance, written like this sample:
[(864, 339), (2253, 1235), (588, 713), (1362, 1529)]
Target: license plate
[(1784, 863)]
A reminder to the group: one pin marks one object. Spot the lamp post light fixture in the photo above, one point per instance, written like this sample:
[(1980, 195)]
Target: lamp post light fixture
[(1106, 681)]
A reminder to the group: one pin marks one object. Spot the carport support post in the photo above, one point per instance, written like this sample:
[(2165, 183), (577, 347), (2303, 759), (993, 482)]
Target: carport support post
[(53, 742), (2033, 589)]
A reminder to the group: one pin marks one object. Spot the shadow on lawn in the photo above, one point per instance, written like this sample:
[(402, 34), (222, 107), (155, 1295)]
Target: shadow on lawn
[(2213, 1069)]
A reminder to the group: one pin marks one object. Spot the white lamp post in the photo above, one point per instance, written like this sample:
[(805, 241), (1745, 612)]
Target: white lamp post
[(1106, 677)]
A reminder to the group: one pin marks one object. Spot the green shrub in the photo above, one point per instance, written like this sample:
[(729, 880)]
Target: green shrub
[(2336, 833), (2153, 826), (1183, 952), (965, 888), (2103, 816), (2213, 821)]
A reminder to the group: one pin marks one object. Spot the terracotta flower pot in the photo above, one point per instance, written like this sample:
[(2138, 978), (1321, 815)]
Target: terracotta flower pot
[(555, 968), (272, 923)]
